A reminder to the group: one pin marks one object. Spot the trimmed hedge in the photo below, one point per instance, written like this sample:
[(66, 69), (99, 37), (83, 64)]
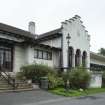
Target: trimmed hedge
[(35, 71)]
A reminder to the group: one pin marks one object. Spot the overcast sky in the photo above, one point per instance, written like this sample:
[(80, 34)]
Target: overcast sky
[(48, 15)]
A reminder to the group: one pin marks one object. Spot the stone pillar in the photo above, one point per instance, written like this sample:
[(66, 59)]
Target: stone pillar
[(85, 62), (73, 60), (80, 60), (88, 61)]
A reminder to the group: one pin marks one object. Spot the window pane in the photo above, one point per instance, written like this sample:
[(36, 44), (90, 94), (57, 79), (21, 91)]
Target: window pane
[(35, 53), (1, 58), (45, 55), (40, 54), (7, 60)]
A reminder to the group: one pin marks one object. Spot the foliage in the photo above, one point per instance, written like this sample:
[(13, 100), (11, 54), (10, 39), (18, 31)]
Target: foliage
[(35, 71), (72, 93), (66, 76), (79, 78), (20, 76), (54, 81), (101, 51)]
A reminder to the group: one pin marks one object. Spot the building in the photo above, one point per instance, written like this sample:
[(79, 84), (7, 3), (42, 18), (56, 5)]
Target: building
[(19, 47)]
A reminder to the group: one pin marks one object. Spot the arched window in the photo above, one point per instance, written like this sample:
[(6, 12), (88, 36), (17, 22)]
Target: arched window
[(84, 56), (77, 57), (70, 56)]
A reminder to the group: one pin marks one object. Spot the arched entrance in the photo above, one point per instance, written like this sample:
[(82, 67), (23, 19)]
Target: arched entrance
[(77, 57), (84, 57)]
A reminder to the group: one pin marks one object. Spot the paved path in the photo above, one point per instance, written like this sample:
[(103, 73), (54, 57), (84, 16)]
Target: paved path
[(85, 100), (27, 97), (44, 98)]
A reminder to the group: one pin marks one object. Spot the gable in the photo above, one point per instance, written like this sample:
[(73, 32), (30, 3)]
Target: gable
[(79, 36)]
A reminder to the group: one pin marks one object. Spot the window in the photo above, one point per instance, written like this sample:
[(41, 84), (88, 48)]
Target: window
[(6, 59), (49, 55), (35, 53), (42, 54), (45, 55)]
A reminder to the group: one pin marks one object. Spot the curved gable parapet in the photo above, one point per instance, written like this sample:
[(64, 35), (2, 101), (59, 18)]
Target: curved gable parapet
[(79, 35)]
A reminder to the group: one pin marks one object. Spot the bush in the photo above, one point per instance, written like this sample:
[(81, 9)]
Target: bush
[(55, 81), (35, 71), (20, 76), (79, 78)]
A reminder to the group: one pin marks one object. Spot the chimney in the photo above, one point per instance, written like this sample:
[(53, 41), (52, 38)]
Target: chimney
[(31, 27)]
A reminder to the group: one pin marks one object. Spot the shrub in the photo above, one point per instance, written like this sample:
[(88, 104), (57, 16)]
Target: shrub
[(55, 81), (20, 76), (66, 76), (79, 78), (35, 71)]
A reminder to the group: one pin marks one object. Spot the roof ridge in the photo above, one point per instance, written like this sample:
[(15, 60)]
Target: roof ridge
[(57, 29), (15, 30), (97, 54)]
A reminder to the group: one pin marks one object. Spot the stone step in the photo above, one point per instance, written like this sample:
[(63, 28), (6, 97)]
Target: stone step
[(21, 85), (9, 88), (17, 90), (4, 84)]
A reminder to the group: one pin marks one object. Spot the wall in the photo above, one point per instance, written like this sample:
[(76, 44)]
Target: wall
[(30, 57), (96, 80), (79, 38), (19, 58), (24, 55), (56, 42), (18, 51)]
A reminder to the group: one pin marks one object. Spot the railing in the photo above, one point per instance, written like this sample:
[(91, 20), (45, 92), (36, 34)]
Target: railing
[(11, 81)]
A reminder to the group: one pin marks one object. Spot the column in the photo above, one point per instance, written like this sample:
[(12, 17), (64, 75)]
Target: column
[(80, 60), (85, 61), (88, 61)]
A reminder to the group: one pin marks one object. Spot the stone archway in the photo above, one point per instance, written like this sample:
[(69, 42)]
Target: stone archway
[(77, 57), (84, 58)]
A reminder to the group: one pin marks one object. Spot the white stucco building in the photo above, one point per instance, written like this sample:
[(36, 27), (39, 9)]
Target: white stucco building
[(19, 47)]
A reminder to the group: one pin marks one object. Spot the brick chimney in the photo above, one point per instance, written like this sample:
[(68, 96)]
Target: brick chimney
[(31, 27)]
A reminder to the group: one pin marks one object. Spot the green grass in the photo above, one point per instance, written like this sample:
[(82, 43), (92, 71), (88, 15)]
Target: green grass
[(73, 93)]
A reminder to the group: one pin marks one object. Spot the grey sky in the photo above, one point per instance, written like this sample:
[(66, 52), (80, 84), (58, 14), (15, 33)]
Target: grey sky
[(48, 15)]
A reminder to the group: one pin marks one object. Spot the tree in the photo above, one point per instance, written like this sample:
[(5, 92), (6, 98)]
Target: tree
[(101, 51)]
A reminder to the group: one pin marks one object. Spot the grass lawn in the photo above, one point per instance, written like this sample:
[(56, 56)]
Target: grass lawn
[(72, 93)]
